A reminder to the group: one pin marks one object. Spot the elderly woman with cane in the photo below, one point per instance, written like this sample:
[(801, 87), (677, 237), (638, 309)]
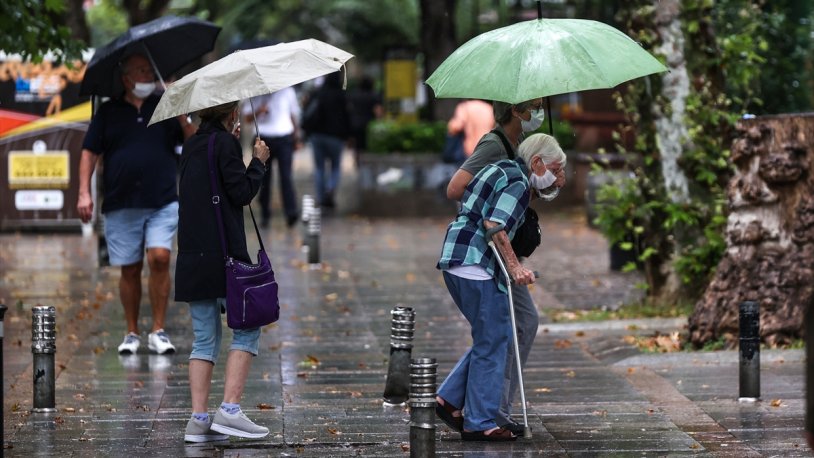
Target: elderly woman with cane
[(492, 208)]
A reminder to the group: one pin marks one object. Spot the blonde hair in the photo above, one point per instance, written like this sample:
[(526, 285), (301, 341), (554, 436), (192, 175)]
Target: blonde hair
[(542, 145)]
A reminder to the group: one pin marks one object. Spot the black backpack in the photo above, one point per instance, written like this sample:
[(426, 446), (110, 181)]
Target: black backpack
[(528, 236)]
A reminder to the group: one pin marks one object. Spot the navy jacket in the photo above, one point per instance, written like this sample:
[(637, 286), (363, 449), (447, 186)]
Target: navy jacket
[(199, 270)]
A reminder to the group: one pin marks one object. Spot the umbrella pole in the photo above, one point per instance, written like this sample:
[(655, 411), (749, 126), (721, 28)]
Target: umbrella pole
[(550, 121), (254, 116), (155, 68)]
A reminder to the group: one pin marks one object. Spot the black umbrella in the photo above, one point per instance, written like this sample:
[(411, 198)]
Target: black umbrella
[(169, 42)]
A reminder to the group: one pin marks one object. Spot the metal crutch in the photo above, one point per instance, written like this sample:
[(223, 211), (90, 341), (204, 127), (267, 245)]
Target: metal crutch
[(509, 281)]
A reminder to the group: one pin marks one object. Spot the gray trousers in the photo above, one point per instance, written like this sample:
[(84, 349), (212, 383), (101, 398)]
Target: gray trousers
[(527, 321)]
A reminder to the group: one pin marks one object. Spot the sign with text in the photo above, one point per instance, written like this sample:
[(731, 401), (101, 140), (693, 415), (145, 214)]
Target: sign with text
[(29, 170)]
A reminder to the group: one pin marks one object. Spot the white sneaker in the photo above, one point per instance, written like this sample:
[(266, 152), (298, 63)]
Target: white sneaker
[(237, 424), (130, 344), (200, 431), (159, 342)]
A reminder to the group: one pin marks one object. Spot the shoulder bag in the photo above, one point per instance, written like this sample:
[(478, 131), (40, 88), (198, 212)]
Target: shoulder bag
[(251, 290)]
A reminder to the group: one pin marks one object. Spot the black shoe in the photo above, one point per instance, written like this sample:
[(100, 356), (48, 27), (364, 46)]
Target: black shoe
[(444, 412), (292, 220), (328, 201), (516, 428)]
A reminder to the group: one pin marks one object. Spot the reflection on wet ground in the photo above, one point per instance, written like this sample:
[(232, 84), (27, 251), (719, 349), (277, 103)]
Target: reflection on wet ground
[(318, 381)]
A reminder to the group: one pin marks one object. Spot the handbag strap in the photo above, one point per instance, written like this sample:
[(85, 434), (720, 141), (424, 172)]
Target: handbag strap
[(213, 182), (506, 144)]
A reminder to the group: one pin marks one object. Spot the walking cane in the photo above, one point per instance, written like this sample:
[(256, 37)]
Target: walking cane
[(509, 281)]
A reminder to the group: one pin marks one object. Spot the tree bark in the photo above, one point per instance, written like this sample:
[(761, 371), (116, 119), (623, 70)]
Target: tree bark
[(74, 18), (672, 135), (437, 42), (770, 234)]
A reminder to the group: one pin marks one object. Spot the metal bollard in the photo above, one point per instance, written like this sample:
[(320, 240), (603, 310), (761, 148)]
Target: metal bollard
[(422, 407), (749, 351), (307, 208), (312, 238), (3, 309), (396, 388), (43, 346)]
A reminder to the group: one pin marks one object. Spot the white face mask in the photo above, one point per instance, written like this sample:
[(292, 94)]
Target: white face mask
[(143, 90), (542, 182), (534, 123)]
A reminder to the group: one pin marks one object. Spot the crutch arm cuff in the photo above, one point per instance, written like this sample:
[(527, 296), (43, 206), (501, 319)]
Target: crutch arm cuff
[(490, 232)]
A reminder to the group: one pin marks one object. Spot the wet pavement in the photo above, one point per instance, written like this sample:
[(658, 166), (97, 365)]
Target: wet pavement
[(318, 382)]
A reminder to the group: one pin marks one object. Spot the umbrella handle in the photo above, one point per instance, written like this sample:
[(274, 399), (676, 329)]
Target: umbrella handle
[(254, 116)]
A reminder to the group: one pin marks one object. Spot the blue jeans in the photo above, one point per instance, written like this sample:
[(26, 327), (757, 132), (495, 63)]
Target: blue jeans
[(282, 150), (207, 328), (326, 147), (476, 382)]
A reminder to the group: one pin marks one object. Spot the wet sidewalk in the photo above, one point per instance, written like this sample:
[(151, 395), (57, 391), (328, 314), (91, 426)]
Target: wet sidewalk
[(318, 381)]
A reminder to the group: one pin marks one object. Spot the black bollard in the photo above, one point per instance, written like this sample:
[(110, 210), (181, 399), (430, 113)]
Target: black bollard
[(43, 346), (3, 309), (312, 237), (397, 386), (749, 351), (422, 407)]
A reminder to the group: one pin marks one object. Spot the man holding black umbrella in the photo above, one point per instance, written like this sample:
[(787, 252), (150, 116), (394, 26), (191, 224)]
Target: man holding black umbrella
[(140, 198)]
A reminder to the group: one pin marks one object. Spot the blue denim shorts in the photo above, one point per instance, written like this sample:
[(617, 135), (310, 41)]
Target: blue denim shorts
[(207, 327), (130, 231)]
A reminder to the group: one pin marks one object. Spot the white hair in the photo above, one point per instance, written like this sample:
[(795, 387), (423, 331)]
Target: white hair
[(544, 146)]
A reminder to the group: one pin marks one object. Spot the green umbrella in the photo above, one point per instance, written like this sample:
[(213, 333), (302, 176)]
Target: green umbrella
[(539, 58)]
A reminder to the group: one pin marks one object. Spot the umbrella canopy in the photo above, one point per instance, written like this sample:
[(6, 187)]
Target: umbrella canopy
[(170, 42), (249, 73), (539, 58)]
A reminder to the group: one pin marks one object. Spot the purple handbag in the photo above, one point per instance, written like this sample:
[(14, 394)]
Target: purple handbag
[(251, 290)]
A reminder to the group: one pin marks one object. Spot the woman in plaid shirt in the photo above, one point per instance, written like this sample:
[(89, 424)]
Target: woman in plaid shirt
[(493, 205)]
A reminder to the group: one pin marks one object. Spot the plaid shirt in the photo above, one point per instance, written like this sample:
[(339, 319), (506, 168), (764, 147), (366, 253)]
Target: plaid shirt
[(498, 193)]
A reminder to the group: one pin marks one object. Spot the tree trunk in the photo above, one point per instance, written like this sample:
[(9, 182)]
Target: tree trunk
[(671, 131), (437, 42), (74, 18), (770, 234)]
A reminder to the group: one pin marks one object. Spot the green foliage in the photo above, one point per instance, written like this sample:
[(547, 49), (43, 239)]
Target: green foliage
[(31, 28), (417, 137), (106, 21), (724, 52)]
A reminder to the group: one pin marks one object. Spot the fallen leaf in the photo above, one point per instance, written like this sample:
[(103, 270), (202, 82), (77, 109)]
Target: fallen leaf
[(776, 402), (405, 447), (630, 340), (410, 277), (562, 343), (264, 406), (542, 390), (59, 420), (331, 297), (69, 410), (631, 370), (570, 374), (334, 431), (600, 413), (580, 333)]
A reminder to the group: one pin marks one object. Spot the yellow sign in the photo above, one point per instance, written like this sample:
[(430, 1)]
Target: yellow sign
[(400, 79), (27, 170)]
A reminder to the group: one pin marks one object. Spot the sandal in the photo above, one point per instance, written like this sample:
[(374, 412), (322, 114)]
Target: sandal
[(497, 435), (445, 411)]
